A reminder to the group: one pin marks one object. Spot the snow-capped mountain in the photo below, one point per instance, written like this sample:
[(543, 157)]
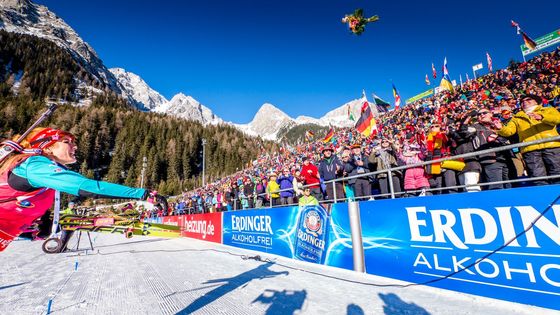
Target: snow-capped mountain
[(186, 107), (301, 120), (23, 16), (137, 90), (339, 117), (145, 98), (268, 121)]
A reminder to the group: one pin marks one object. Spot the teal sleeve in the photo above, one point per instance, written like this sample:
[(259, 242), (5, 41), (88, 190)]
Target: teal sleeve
[(42, 172)]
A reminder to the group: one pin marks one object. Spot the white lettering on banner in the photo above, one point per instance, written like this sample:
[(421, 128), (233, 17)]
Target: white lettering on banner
[(488, 268), (481, 263), (506, 224), (422, 260), (257, 240), (529, 214), (458, 265), (199, 227), (308, 238), (491, 229), (443, 222), (445, 229), (416, 223), (529, 271), (544, 275), (258, 223)]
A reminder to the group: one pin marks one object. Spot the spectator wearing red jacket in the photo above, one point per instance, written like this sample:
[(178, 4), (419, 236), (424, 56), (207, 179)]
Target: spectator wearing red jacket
[(311, 178)]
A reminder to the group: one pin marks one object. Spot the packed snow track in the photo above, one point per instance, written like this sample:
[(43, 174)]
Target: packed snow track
[(182, 276)]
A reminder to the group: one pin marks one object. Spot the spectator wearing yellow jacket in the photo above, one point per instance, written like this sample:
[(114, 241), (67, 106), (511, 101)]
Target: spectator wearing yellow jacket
[(70, 210), (536, 122), (273, 189), (307, 199)]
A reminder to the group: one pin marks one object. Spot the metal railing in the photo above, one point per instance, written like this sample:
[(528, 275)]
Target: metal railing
[(390, 171)]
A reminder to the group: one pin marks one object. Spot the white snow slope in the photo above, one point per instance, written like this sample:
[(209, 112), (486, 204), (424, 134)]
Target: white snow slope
[(182, 276)]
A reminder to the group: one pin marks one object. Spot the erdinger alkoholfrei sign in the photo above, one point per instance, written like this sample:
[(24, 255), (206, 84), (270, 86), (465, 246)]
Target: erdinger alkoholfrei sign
[(303, 233), (311, 234), (423, 239)]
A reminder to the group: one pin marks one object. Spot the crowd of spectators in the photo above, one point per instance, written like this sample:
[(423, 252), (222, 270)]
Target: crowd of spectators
[(516, 104)]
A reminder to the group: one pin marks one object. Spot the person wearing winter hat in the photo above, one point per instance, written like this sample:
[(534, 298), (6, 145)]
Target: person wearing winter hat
[(531, 123), (312, 178), (331, 168), (358, 164)]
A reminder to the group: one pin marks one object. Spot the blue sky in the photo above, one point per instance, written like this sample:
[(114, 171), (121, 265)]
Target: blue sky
[(233, 56)]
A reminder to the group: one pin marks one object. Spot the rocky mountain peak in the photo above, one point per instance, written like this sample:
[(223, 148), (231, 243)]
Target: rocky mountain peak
[(270, 112), (137, 90), (23, 16)]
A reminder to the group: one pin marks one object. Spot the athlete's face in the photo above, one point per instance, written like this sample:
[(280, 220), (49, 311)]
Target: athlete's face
[(63, 151)]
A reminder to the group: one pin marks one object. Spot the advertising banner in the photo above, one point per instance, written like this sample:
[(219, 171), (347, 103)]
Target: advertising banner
[(206, 227), (154, 220), (429, 238), (304, 233), (542, 42), (420, 96)]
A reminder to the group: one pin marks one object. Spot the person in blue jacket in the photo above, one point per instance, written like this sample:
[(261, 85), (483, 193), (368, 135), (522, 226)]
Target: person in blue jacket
[(29, 179), (286, 182)]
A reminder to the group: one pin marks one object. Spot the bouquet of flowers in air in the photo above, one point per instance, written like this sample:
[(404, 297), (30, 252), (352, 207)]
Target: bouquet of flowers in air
[(357, 22)]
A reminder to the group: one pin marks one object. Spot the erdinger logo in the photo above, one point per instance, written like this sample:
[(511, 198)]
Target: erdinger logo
[(312, 223), (25, 204), (311, 234), (476, 231)]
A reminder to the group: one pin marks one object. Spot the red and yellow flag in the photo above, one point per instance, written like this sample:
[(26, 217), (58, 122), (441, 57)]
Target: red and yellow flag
[(329, 136), (366, 124)]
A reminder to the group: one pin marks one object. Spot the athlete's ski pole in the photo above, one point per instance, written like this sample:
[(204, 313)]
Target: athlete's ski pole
[(10, 146)]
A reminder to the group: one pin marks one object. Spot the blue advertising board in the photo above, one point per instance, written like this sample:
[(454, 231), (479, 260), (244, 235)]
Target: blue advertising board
[(305, 233), (428, 238)]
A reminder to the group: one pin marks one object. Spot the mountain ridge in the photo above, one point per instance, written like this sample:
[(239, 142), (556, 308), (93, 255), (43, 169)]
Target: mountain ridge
[(23, 16)]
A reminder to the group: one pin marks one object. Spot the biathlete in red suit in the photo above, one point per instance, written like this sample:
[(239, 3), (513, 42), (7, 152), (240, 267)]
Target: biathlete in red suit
[(29, 179)]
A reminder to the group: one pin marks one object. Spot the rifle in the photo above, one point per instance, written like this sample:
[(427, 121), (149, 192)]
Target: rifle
[(10, 146)]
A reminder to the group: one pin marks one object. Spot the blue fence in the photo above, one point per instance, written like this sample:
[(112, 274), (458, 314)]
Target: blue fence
[(308, 233), (424, 239)]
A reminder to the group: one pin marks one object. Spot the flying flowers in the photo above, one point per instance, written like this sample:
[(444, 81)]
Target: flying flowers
[(357, 21)]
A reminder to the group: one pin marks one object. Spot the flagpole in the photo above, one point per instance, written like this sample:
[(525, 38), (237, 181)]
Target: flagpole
[(474, 74)]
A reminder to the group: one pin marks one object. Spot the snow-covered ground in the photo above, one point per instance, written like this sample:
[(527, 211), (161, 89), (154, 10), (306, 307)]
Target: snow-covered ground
[(159, 276)]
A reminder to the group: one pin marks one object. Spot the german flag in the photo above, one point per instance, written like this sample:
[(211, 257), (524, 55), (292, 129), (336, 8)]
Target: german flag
[(366, 124), (329, 136), (529, 42), (309, 135)]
